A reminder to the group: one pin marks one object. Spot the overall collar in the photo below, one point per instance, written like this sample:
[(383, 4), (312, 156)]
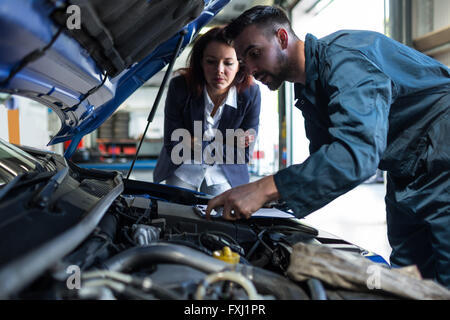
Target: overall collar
[(311, 70)]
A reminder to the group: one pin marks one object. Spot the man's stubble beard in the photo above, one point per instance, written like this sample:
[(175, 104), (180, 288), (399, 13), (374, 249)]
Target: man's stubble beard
[(283, 73)]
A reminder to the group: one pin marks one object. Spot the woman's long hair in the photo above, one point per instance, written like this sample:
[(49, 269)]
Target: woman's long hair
[(193, 73)]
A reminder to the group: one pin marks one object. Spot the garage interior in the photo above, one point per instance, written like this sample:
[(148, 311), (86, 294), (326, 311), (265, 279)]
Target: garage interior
[(358, 216)]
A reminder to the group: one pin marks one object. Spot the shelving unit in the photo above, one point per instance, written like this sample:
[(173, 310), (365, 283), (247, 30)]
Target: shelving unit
[(117, 147), (126, 148)]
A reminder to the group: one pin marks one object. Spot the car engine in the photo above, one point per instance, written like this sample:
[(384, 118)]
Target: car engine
[(78, 233)]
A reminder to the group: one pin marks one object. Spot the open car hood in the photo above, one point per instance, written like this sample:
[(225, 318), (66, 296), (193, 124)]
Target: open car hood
[(84, 58)]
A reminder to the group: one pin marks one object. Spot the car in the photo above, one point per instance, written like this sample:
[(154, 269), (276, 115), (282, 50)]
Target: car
[(69, 232), (58, 218)]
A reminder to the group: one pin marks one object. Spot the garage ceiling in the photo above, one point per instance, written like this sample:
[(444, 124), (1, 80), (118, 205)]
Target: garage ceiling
[(231, 11), (235, 8)]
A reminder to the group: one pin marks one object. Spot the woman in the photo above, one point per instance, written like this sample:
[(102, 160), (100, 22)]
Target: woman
[(209, 96)]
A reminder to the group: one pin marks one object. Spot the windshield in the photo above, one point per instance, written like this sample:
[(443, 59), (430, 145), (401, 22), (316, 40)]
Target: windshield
[(14, 162)]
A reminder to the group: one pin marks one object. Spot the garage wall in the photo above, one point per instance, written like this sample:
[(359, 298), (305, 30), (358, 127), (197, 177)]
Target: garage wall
[(320, 20), (3, 123), (429, 15), (33, 119), (307, 17), (430, 26), (33, 123), (265, 151), (139, 105)]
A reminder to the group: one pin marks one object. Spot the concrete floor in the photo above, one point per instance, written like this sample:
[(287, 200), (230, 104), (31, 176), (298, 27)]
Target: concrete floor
[(358, 216)]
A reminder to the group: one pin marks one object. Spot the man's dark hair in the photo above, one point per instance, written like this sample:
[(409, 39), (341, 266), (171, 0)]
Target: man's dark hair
[(264, 16)]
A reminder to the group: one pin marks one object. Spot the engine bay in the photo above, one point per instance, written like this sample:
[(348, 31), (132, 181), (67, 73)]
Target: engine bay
[(99, 236)]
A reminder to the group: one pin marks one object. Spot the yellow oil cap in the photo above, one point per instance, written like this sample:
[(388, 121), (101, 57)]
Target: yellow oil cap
[(226, 255)]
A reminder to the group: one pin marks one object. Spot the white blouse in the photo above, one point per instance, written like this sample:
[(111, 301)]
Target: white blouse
[(194, 174)]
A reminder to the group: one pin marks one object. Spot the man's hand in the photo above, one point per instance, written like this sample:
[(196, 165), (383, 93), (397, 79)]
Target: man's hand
[(244, 200)]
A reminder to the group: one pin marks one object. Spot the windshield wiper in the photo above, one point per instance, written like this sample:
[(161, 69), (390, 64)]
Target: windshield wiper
[(43, 197), (24, 178), (14, 182), (44, 163), (11, 185)]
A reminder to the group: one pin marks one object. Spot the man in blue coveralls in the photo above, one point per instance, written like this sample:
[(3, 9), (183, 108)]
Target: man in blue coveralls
[(369, 102)]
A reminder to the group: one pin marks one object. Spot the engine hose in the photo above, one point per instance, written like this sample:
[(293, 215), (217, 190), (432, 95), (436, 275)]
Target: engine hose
[(137, 257), (98, 246), (122, 283), (270, 283), (317, 289), (165, 294), (266, 282), (109, 225), (227, 276)]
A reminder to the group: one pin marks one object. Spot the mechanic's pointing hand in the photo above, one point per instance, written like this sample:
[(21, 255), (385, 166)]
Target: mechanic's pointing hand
[(244, 200)]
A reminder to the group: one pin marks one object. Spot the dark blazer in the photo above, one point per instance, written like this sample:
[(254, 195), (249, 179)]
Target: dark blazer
[(183, 108)]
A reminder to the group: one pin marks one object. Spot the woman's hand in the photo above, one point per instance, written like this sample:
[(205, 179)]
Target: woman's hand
[(245, 140), (249, 138)]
